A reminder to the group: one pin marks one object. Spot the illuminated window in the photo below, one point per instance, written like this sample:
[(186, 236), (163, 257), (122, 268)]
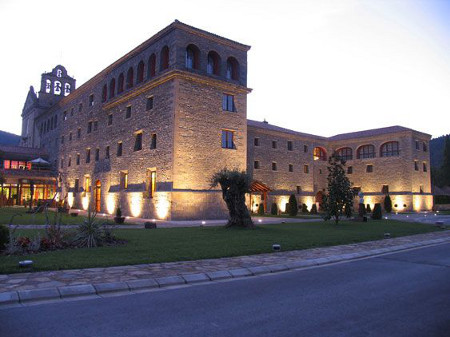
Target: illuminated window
[(123, 180), (345, 153), (366, 151), (228, 139), (228, 103), (151, 182), (87, 184), (319, 153), (390, 149)]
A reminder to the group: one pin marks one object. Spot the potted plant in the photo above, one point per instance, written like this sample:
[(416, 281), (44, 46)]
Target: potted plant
[(119, 219)]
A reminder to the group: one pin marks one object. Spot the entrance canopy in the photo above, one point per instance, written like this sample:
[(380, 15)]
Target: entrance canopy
[(257, 186)]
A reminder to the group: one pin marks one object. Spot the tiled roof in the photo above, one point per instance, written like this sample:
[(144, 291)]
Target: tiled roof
[(369, 133), (267, 126), (22, 152)]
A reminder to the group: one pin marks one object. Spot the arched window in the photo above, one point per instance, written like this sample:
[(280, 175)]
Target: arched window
[(164, 64), (66, 89), (120, 84), (48, 86), (232, 69), (112, 88), (130, 79), (57, 88), (366, 151), (140, 72), (151, 69), (319, 153), (389, 149), (345, 153), (192, 57), (104, 93), (213, 67), (58, 73)]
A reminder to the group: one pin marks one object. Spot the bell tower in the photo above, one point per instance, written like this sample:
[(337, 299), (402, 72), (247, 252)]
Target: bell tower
[(55, 85)]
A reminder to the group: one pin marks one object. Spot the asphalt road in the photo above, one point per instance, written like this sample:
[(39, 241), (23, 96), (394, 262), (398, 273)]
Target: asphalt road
[(401, 294)]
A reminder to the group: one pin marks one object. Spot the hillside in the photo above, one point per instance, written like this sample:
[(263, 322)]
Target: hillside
[(7, 138), (436, 151)]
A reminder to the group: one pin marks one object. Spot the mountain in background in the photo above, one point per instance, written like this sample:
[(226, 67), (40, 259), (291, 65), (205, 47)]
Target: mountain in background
[(7, 138), (437, 151)]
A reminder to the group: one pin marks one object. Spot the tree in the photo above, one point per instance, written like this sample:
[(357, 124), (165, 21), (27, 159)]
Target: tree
[(234, 184), (445, 168), (387, 204), (2, 181), (377, 212), (293, 207), (274, 209), (340, 193)]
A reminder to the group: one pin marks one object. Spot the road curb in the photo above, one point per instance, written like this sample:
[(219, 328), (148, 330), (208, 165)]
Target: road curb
[(28, 297)]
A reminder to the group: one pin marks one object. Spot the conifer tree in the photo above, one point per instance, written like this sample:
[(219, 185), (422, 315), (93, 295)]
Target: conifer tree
[(340, 193), (293, 206), (445, 168), (387, 204)]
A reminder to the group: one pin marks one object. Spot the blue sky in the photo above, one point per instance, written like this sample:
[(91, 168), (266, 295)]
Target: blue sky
[(322, 67)]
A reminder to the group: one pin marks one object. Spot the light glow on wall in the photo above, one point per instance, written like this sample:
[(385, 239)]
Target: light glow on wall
[(110, 203), (282, 204), (135, 204), (162, 205), (85, 202), (70, 199), (309, 202)]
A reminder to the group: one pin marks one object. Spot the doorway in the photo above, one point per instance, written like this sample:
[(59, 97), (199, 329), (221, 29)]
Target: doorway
[(98, 196)]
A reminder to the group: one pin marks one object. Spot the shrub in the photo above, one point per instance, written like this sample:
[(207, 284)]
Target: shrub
[(361, 210), (377, 212), (261, 209), (369, 209), (388, 204), (304, 208), (293, 207), (118, 212), (4, 237), (274, 209), (314, 209), (348, 211)]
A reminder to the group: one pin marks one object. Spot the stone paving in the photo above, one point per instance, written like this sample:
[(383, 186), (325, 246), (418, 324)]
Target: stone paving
[(93, 276)]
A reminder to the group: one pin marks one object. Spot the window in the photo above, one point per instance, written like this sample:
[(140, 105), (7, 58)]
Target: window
[(112, 87), (291, 168), (78, 159), (97, 154), (89, 128), (345, 153), (120, 85), (110, 119), (70, 136), (256, 164), (274, 144), (289, 145), (228, 102), (164, 62), (79, 133), (390, 149), (95, 125), (123, 180), (151, 69), (91, 100), (151, 183), (299, 189), (424, 166), (140, 72), (149, 105), (104, 93), (350, 170), (424, 147), (69, 163), (256, 141), (192, 57), (119, 149), (87, 184), (138, 142), (366, 151), (228, 139), (71, 112), (153, 141), (305, 148), (369, 168), (385, 189), (417, 145), (130, 78), (416, 165), (77, 185), (62, 163), (107, 152), (319, 154), (62, 139), (213, 63), (232, 69), (80, 107), (88, 156), (421, 189), (64, 115), (274, 166), (128, 112), (306, 169)]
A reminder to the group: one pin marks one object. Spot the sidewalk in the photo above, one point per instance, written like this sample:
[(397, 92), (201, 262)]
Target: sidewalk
[(17, 289)]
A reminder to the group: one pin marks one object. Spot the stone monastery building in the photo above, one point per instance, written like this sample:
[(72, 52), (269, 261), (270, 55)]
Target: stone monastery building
[(147, 133)]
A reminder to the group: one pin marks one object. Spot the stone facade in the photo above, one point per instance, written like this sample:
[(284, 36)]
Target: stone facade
[(147, 133)]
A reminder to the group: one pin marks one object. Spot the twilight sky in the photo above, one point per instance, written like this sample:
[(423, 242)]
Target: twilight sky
[(316, 66)]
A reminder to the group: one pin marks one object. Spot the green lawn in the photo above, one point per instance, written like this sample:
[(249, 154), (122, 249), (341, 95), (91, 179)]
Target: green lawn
[(177, 244), (298, 216), (23, 218)]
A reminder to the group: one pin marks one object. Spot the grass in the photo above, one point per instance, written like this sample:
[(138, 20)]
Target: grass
[(298, 216), (24, 218), (178, 244)]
